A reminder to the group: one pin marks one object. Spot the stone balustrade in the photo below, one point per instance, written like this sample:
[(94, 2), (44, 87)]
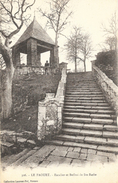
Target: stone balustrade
[(23, 69), (108, 87), (50, 111)]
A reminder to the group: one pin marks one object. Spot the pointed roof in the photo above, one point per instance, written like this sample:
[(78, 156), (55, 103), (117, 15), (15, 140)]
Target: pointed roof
[(34, 30)]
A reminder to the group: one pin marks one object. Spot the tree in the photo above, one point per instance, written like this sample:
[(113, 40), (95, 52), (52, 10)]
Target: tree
[(73, 46), (13, 16), (78, 47), (57, 20), (85, 49), (110, 42), (2, 63), (111, 31)]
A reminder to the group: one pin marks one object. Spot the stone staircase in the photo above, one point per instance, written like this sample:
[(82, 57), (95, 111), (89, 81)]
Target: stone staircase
[(88, 120)]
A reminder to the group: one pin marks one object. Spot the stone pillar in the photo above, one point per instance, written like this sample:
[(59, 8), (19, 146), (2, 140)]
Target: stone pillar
[(56, 56), (49, 118), (52, 57), (31, 52), (16, 56), (38, 59), (41, 122)]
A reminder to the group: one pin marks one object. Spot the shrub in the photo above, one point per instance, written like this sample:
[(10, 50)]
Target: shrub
[(106, 61)]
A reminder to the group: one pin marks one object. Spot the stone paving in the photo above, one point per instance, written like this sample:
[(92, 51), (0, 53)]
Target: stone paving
[(51, 155)]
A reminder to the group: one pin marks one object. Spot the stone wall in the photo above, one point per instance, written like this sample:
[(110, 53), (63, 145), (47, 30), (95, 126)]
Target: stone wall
[(32, 52), (50, 111), (108, 87), (22, 70)]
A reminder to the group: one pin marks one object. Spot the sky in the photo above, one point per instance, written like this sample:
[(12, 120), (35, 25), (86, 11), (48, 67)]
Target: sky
[(88, 14)]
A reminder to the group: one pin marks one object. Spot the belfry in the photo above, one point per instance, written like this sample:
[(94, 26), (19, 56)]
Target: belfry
[(33, 42)]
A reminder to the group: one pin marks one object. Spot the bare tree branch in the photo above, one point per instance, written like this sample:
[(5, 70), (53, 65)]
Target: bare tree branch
[(78, 46), (111, 32), (3, 33), (55, 20), (16, 15)]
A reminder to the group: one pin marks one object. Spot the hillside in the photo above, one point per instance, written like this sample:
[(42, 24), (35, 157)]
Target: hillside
[(27, 91)]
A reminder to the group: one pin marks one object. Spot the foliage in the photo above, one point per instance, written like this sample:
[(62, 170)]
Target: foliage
[(34, 87), (106, 61)]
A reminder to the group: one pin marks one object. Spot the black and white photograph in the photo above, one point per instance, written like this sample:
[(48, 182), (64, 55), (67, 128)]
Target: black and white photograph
[(59, 91)]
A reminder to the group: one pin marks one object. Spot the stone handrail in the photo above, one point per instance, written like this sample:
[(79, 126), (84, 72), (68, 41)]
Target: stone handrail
[(108, 87), (50, 111), (61, 87)]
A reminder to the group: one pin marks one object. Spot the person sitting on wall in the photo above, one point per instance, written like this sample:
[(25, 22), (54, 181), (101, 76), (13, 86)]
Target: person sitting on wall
[(46, 67)]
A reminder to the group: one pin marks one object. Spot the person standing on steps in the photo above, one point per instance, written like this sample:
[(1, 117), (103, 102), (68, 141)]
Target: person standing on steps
[(46, 67)]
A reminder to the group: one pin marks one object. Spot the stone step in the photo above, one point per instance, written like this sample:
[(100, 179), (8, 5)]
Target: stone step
[(81, 82), (111, 128), (89, 120), (84, 103), (91, 111), (88, 140), (81, 132), (107, 149), (84, 100), (80, 75), (105, 108), (99, 116), (110, 134), (78, 87), (89, 85), (83, 126), (101, 141), (73, 92), (95, 133), (82, 90), (80, 79), (85, 97), (70, 138)]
